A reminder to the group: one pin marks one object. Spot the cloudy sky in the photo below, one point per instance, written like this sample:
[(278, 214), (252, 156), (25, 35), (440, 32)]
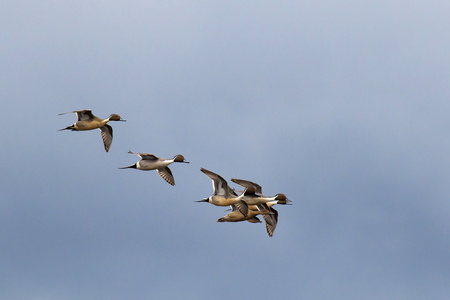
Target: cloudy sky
[(341, 105)]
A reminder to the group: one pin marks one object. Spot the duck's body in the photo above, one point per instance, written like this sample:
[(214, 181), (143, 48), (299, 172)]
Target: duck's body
[(152, 162), (223, 195), (236, 216), (255, 199), (88, 121), (253, 193)]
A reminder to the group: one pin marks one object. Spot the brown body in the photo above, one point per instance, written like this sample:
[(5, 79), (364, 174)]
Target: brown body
[(87, 121)]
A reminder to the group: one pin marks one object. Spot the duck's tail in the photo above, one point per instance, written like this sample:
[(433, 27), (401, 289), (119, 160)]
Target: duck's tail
[(71, 127), (133, 166)]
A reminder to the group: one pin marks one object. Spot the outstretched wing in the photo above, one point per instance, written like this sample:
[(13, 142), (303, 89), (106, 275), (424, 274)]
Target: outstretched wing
[(242, 207), (166, 174), (252, 187), (85, 114), (220, 185), (145, 156), (271, 221), (107, 136)]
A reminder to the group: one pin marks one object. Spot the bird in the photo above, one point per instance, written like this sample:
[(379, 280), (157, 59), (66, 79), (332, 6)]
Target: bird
[(253, 193), (152, 162), (88, 121), (256, 201), (223, 195), (236, 216)]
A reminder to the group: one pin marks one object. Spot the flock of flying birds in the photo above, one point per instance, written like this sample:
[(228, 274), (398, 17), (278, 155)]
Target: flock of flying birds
[(245, 206)]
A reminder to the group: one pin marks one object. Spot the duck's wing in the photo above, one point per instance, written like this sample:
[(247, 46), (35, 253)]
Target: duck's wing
[(220, 185), (242, 207), (266, 210), (107, 136), (85, 114), (235, 207), (232, 192), (145, 156), (167, 175), (252, 187), (271, 221)]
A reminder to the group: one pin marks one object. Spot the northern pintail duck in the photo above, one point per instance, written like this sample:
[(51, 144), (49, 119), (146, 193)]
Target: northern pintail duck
[(236, 216), (223, 195), (253, 193), (152, 162), (87, 121)]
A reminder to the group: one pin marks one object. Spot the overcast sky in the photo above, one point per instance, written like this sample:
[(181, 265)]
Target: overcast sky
[(341, 105)]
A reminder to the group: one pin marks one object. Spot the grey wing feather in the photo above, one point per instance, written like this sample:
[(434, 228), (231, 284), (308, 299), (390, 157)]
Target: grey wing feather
[(271, 221), (220, 185), (146, 156), (84, 114), (242, 207), (167, 175), (107, 136), (232, 192), (233, 207), (252, 187)]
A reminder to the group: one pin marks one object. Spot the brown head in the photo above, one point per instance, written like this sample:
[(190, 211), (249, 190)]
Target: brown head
[(179, 158), (281, 196), (115, 117)]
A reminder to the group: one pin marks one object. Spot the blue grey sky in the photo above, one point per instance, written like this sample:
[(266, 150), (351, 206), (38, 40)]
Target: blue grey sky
[(341, 105)]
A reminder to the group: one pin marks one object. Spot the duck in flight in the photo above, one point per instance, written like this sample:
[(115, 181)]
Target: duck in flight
[(223, 195), (236, 216), (88, 121), (253, 193), (152, 162)]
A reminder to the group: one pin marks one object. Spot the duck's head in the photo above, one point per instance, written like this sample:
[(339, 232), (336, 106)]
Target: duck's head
[(281, 196), (115, 117), (179, 158)]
